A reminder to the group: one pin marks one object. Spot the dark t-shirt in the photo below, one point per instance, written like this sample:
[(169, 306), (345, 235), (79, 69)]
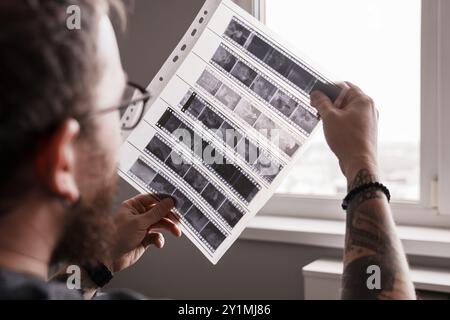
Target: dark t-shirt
[(20, 286)]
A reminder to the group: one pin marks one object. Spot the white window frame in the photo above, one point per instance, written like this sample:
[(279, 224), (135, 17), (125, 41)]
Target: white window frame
[(443, 67), (433, 209)]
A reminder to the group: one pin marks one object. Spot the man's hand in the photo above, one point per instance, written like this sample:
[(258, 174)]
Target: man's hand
[(350, 127), (138, 223)]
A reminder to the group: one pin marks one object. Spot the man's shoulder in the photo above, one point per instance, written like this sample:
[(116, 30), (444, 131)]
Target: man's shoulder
[(20, 286)]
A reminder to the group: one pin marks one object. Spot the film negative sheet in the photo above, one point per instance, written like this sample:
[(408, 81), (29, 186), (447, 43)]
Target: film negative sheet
[(228, 118)]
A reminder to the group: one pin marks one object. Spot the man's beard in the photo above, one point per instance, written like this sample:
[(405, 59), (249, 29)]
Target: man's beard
[(89, 230)]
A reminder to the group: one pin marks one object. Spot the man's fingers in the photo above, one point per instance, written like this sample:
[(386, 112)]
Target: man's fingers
[(322, 103), (146, 200), (355, 94), (141, 202), (352, 93), (340, 99), (167, 225), (175, 217), (155, 238), (154, 215), (354, 86)]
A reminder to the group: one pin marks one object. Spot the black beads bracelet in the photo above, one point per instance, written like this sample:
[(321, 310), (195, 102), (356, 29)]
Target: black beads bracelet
[(362, 188)]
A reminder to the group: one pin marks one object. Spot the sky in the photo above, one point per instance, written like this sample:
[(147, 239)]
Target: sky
[(372, 43)]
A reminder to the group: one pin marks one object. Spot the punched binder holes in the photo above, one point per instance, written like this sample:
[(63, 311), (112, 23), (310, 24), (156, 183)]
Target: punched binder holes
[(205, 12), (201, 20), (175, 59), (193, 32), (161, 78), (183, 47)]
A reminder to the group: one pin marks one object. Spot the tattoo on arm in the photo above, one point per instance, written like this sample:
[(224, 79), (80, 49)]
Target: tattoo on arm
[(370, 240)]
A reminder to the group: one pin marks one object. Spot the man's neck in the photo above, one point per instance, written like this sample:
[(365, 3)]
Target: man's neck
[(28, 236)]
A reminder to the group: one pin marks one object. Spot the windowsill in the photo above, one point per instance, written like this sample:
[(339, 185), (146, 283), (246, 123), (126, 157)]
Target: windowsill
[(429, 279), (422, 241)]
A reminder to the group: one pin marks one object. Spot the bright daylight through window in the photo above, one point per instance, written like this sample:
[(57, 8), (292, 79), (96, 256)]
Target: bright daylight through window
[(376, 45)]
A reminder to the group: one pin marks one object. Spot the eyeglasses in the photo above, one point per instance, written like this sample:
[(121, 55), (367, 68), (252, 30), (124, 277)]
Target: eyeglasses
[(131, 110)]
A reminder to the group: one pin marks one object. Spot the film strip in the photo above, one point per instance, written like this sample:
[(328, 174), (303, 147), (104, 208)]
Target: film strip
[(230, 100), (236, 179), (169, 169), (208, 193), (242, 145), (298, 73), (243, 186), (247, 112), (145, 173), (193, 217), (225, 57), (294, 111)]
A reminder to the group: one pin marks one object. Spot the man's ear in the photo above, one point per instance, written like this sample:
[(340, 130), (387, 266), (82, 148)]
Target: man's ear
[(55, 161)]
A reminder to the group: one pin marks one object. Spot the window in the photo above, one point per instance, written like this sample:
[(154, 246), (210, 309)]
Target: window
[(389, 48), (368, 46)]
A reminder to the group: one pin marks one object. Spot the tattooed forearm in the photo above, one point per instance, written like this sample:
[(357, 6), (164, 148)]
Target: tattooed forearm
[(364, 176), (371, 241)]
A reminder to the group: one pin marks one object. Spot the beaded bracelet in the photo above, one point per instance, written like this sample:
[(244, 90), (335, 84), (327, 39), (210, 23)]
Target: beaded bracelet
[(362, 188)]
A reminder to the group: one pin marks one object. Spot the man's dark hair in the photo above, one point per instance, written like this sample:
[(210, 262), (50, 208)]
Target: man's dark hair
[(47, 73)]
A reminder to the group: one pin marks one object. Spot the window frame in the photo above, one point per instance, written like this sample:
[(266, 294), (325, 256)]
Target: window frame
[(433, 208), (443, 94)]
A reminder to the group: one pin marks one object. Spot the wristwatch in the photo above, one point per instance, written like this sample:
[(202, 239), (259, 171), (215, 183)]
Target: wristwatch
[(99, 274)]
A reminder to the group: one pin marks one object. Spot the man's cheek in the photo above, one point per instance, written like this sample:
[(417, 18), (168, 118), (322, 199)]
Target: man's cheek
[(111, 138)]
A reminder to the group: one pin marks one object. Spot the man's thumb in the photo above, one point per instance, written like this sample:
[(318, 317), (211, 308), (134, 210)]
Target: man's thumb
[(322, 103)]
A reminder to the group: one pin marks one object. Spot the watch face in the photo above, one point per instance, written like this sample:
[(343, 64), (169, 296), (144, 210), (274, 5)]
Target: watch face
[(100, 274)]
